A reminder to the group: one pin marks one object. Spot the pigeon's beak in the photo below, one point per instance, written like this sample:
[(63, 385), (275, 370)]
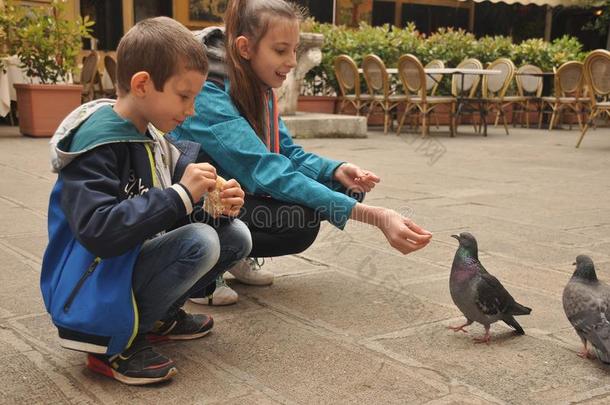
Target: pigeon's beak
[(456, 237), (574, 264)]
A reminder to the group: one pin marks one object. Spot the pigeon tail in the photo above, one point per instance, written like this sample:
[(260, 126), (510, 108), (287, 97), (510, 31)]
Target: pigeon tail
[(518, 309), (512, 322)]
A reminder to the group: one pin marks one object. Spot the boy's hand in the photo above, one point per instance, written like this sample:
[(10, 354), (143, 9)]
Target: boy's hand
[(403, 234), (355, 179), (199, 178), (232, 198)]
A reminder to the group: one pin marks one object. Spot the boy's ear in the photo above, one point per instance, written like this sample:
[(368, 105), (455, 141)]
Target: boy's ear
[(243, 47), (139, 83)]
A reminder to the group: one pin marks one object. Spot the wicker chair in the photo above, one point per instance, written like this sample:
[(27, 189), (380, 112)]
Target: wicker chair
[(89, 77), (346, 72), (378, 83), (529, 90), (495, 86), (470, 84), (569, 93), (110, 66), (414, 82), (432, 81), (597, 75)]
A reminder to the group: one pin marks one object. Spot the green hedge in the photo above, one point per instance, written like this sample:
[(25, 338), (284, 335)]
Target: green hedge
[(449, 45)]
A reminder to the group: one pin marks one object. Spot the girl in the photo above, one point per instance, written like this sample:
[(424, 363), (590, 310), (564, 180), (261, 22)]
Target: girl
[(288, 190)]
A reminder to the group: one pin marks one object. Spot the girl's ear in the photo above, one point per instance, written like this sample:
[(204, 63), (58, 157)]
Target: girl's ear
[(243, 47)]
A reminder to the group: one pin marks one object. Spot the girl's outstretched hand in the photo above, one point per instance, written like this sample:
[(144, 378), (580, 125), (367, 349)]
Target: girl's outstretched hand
[(355, 179), (402, 233), (232, 198)]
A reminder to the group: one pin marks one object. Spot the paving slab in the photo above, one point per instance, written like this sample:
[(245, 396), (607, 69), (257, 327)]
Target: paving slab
[(350, 320)]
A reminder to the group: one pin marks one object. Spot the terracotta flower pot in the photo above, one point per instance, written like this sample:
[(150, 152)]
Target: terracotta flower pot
[(317, 104), (42, 107)]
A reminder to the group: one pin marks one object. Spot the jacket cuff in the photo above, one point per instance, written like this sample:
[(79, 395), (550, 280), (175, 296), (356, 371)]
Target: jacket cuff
[(185, 196)]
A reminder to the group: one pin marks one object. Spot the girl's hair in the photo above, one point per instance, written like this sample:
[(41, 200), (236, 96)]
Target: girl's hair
[(251, 18)]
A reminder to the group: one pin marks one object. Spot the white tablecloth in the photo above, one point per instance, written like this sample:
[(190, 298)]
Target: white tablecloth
[(14, 74)]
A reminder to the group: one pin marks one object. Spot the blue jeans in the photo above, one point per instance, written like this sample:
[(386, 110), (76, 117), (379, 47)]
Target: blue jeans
[(174, 265)]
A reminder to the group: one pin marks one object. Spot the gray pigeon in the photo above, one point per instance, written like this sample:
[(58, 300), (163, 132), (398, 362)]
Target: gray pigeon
[(586, 302), (478, 294)]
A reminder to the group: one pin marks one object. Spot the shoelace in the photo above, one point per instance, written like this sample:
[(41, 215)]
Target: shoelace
[(256, 263), (220, 282)]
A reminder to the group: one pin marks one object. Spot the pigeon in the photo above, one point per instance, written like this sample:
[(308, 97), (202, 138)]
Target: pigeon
[(586, 302), (478, 294)]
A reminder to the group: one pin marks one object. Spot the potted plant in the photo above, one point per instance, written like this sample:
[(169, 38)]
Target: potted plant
[(48, 46)]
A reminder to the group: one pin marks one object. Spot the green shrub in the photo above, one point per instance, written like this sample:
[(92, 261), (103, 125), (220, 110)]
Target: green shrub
[(447, 44)]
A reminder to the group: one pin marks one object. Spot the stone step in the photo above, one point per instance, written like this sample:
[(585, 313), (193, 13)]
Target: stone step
[(317, 125)]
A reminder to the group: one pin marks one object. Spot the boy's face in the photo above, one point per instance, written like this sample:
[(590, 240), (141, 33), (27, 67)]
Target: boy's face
[(168, 108), (276, 53)]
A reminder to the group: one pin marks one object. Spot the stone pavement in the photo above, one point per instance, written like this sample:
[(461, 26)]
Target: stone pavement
[(350, 320)]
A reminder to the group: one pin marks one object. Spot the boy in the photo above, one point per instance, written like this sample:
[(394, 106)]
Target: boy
[(112, 277)]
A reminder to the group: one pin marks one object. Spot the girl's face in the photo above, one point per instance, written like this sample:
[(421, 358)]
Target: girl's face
[(276, 53)]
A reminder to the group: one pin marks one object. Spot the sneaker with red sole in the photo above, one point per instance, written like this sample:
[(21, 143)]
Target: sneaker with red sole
[(137, 365)]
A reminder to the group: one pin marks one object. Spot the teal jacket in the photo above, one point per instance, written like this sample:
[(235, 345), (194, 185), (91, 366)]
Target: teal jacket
[(293, 175)]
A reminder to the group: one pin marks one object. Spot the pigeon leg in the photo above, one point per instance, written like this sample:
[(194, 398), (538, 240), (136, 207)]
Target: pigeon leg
[(485, 338), (584, 353), (461, 327)]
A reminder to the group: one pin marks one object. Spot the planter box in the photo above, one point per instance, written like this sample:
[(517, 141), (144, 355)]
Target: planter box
[(42, 107), (317, 104)]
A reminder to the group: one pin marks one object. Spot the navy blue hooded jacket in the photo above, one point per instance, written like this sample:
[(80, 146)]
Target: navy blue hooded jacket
[(115, 188)]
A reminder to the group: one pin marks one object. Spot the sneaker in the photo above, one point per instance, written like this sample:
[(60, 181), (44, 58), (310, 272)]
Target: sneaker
[(184, 327), (138, 365), (222, 295), (248, 271)]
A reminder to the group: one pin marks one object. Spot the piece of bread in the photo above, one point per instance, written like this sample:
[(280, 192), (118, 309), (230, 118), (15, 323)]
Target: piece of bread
[(211, 202)]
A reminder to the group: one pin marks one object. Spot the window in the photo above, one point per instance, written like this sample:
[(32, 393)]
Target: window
[(428, 19)]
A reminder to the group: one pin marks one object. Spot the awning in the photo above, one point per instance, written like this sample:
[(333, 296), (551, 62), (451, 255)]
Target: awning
[(552, 3)]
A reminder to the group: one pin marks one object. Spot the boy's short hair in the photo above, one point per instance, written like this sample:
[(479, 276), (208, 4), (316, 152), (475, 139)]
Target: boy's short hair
[(160, 46)]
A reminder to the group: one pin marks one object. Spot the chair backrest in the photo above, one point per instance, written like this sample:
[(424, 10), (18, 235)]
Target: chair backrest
[(496, 85), (88, 74), (569, 79), (529, 85), (432, 81), (376, 75), (110, 66), (412, 76), (470, 81), (597, 73), (346, 72)]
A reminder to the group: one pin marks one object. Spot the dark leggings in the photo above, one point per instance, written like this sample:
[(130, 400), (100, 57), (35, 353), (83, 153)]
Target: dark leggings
[(278, 228)]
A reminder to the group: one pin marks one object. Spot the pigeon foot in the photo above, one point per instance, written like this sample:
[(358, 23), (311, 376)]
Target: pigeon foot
[(585, 354), (459, 328), (485, 338)]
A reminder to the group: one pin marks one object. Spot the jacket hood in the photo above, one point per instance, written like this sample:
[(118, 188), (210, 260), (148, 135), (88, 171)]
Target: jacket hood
[(213, 39), (79, 132)]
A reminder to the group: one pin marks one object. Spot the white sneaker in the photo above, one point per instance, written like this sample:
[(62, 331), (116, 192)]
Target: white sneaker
[(249, 271), (223, 295)]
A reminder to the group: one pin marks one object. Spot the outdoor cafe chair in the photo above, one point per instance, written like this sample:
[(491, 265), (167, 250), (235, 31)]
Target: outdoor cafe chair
[(89, 77), (414, 82), (432, 81), (346, 72), (378, 83), (494, 87), (597, 76), (465, 85), (529, 90), (110, 66), (569, 93)]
